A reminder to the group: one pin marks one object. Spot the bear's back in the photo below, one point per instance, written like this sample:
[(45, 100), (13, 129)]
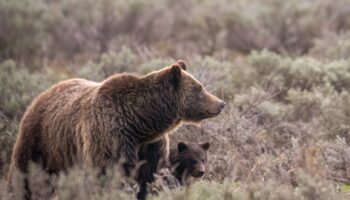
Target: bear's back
[(55, 118), (63, 98)]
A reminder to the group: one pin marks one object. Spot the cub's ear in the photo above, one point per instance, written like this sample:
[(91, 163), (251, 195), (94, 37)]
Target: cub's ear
[(182, 64), (181, 147), (175, 74), (205, 145)]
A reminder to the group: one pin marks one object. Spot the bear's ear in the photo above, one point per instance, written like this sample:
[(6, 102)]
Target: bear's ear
[(205, 145), (182, 64), (181, 147), (175, 74)]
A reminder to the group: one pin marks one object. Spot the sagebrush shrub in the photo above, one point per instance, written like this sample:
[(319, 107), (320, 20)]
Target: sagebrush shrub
[(18, 87)]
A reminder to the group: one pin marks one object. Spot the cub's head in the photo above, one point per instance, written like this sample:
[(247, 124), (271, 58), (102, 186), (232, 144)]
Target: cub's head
[(193, 101), (193, 157)]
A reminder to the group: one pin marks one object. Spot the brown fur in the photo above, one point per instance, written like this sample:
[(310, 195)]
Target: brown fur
[(101, 124), (189, 160), (154, 158), (185, 161)]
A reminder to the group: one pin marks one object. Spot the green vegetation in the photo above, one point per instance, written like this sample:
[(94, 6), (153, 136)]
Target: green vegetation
[(282, 66)]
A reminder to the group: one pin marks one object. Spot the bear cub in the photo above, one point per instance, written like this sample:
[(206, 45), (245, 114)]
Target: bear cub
[(188, 160), (185, 161)]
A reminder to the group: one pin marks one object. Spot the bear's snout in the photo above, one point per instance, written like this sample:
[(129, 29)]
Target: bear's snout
[(222, 104), (199, 171), (213, 104)]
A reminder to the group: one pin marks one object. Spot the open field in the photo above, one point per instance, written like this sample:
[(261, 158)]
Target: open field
[(283, 67)]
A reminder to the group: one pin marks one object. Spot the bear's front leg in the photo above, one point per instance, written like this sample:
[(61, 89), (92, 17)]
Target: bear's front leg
[(155, 156), (128, 157)]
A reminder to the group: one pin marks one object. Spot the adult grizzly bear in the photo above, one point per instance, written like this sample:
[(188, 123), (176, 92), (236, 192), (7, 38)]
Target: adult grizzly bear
[(102, 123)]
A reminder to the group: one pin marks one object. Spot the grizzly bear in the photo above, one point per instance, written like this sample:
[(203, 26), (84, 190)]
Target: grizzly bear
[(185, 161), (104, 123), (189, 160), (152, 159)]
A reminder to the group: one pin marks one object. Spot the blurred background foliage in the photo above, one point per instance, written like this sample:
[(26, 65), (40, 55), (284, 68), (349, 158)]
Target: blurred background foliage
[(282, 66)]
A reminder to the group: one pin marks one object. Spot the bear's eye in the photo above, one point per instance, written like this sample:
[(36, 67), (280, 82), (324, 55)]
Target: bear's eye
[(192, 162), (200, 95)]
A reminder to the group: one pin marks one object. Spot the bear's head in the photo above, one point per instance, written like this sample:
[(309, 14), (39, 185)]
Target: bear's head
[(193, 101), (193, 157)]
